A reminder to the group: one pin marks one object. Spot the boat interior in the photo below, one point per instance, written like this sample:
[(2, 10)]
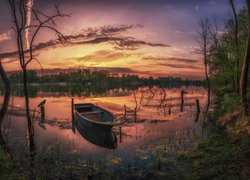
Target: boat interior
[(93, 112)]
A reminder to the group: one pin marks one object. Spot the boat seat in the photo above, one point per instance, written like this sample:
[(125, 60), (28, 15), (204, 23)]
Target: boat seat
[(85, 106), (92, 112)]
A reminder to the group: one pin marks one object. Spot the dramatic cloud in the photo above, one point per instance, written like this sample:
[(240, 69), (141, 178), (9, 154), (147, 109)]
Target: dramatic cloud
[(117, 29), (164, 59), (173, 62), (61, 64), (106, 34), (180, 66), (108, 30), (130, 44), (101, 56), (117, 70), (49, 44), (113, 35), (5, 36), (10, 61), (121, 43)]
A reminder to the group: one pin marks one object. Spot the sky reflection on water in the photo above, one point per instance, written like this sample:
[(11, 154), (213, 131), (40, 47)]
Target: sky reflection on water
[(153, 123)]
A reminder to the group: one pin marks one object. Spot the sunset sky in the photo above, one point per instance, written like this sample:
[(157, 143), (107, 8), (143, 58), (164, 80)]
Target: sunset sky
[(144, 37)]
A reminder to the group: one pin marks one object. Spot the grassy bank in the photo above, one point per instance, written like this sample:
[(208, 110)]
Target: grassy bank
[(221, 157)]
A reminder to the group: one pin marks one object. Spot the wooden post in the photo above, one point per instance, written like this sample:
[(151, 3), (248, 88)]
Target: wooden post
[(73, 116), (198, 106), (198, 110), (42, 114), (72, 109), (125, 112), (34, 113), (120, 130), (136, 107), (165, 106), (135, 114), (182, 100), (197, 117)]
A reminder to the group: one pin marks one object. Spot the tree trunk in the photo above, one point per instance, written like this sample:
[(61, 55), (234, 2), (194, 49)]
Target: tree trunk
[(205, 45), (208, 84), (30, 126), (4, 109), (236, 46), (29, 121), (245, 68), (7, 93)]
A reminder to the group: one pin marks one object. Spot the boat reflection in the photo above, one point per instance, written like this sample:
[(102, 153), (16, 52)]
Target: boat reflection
[(97, 136)]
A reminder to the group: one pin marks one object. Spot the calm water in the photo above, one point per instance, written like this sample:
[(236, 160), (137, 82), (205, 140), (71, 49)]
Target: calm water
[(153, 122)]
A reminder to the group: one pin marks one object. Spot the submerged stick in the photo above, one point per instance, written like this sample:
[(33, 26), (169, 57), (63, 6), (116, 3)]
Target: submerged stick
[(182, 100), (120, 131), (42, 114), (125, 112), (198, 106), (198, 110), (136, 107), (165, 106), (72, 109), (73, 116)]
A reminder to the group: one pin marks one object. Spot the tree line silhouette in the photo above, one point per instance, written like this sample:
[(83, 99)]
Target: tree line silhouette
[(100, 78)]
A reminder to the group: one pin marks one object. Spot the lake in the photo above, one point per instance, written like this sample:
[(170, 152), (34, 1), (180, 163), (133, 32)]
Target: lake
[(158, 116)]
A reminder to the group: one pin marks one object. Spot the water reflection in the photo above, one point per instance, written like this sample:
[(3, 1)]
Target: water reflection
[(61, 90), (158, 115), (98, 136)]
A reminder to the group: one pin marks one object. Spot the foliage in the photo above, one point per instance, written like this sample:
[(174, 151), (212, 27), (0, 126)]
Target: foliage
[(229, 103), (222, 62), (101, 78)]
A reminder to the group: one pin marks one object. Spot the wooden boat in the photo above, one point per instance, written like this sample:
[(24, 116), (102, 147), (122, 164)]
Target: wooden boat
[(100, 137), (92, 116)]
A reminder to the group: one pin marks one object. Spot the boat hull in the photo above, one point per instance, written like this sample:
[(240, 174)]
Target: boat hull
[(92, 116), (83, 122), (100, 136)]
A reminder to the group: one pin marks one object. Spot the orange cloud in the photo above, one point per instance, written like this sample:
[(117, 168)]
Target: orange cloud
[(102, 56)]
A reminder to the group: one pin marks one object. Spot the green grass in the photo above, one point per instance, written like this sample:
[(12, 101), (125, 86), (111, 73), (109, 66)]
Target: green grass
[(220, 157)]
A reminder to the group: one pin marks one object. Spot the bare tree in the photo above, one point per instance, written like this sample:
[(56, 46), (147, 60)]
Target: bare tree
[(236, 44), (204, 50), (26, 31), (245, 68), (213, 30)]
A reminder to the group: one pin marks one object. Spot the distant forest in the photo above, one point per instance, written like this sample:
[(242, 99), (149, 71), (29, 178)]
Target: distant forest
[(100, 78)]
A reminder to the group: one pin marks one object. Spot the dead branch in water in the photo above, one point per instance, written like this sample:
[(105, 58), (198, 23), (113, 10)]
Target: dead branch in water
[(163, 99), (136, 107)]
